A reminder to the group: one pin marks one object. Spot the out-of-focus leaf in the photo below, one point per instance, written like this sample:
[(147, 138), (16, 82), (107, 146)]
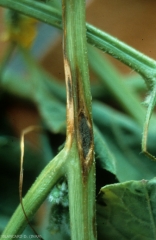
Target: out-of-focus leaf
[(127, 211), (52, 112), (51, 109), (3, 222), (38, 87), (103, 154), (123, 137), (136, 82), (104, 116), (131, 164), (108, 75), (10, 155)]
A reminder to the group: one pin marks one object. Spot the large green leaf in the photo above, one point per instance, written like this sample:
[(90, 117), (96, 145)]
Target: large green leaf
[(127, 211)]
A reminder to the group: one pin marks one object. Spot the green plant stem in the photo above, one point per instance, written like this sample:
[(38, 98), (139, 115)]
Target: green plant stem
[(81, 198), (81, 171), (121, 51), (116, 48), (151, 105), (37, 194), (40, 11)]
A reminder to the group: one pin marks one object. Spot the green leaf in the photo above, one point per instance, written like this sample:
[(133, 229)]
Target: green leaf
[(113, 82), (52, 111), (48, 97), (122, 136), (103, 154), (127, 211)]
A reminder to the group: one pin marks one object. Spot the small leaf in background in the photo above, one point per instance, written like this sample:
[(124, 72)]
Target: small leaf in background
[(127, 211)]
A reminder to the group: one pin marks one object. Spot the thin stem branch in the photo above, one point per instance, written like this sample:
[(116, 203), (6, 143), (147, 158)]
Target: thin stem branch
[(121, 51), (35, 9), (151, 105)]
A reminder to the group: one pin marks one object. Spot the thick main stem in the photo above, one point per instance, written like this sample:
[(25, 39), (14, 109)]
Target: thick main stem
[(81, 170)]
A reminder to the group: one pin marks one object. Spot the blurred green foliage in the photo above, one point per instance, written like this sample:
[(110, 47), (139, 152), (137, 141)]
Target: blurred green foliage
[(118, 116)]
